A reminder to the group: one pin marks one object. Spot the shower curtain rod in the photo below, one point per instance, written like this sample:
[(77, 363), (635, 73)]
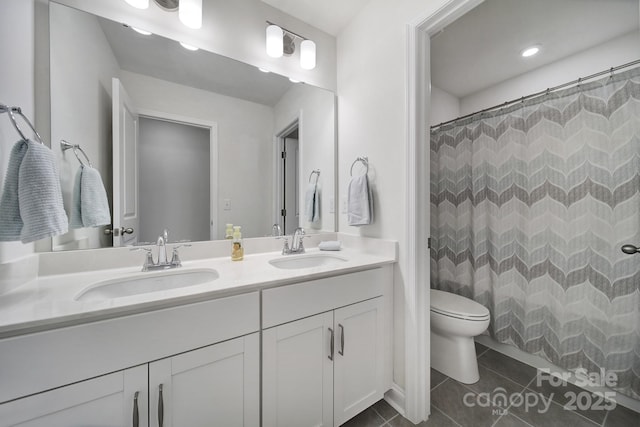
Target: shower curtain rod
[(543, 92)]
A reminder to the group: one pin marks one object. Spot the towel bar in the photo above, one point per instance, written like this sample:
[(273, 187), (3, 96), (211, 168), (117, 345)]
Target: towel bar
[(364, 160), (18, 110), (64, 146)]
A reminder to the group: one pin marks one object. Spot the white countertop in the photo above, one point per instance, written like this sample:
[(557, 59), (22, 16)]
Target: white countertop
[(47, 302)]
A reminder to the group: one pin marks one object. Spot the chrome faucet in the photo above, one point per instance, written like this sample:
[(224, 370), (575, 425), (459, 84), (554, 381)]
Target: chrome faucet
[(276, 231), (162, 263), (296, 243)]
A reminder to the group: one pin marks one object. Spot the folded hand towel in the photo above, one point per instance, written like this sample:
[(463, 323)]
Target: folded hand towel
[(360, 201), (330, 245), (90, 206), (10, 219), (40, 195), (312, 203)]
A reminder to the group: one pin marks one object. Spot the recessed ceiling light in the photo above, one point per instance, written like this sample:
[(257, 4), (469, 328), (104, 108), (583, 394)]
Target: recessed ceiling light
[(530, 51), (143, 32), (263, 70), (188, 46)]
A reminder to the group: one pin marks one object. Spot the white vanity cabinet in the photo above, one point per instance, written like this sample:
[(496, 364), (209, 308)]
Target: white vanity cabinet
[(88, 374), (323, 369), (113, 400)]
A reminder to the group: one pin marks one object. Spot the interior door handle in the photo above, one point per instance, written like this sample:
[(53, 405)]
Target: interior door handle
[(118, 231), (630, 249)]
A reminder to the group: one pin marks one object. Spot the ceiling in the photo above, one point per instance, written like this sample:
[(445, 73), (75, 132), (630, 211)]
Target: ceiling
[(331, 16), (482, 48), (165, 59)]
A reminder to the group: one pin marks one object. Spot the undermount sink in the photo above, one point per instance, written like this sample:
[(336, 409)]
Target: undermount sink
[(143, 283), (292, 262)]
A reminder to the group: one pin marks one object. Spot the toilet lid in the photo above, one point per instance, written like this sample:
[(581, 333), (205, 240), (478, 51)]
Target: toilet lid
[(457, 306)]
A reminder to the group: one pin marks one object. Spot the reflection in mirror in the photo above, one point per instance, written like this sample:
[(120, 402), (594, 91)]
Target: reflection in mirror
[(184, 140)]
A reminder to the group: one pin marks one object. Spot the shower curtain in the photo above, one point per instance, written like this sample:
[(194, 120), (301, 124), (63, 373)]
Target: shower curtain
[(529, 208)]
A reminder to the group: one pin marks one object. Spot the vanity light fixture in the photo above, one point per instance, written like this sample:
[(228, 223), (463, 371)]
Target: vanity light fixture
[(139, 4), (281, 41), (189, 47), (189, 11), (530, 51)]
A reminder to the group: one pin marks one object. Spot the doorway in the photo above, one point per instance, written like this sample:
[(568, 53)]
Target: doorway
[(174, 180), (288, 211)]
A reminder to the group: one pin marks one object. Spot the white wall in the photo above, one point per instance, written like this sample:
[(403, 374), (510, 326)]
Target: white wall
[(81, 105), (17, 46), (245, 131), (235, 29), (602, 57), (372, 70), (317, 143), (444, 106)]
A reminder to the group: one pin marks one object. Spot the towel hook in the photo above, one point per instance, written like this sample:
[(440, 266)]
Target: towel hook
[(364, 160), (317, 172), (64, 146), (18, 110)]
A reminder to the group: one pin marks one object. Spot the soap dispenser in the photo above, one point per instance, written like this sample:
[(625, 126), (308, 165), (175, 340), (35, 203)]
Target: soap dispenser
[(237, 252), (228, 233)]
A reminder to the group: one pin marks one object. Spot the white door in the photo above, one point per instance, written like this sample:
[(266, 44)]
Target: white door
[(297, 373), (126, 218), (107, 401), (358, 370), (217, 385)]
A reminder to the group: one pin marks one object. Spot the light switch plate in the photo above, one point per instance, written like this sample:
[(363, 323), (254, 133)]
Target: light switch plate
[(227, 204)]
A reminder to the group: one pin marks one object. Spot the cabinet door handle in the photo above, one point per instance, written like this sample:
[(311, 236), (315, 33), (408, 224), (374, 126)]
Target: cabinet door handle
[(331, 344), (160, 407), (136, 419), (341, 351)]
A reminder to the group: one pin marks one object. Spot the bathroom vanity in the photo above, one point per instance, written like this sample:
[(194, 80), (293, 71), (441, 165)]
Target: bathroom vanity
[(264, 343)]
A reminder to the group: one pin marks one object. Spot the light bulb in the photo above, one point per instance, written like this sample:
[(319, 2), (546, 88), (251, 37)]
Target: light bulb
[(138, 4), (308, 55), (190, 13), (530, 51), (274, 41)]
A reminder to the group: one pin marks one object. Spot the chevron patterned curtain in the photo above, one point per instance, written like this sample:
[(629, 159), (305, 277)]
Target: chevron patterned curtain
[(529, 208)]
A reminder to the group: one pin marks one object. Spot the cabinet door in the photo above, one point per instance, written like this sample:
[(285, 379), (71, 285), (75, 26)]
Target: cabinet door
[(218, 385), (106, 401), (358, 368), (297, 373)]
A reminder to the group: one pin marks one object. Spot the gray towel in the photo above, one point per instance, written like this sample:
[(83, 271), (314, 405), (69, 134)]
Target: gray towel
[(39, 195), (10, 219), (312, 203), (360, 201), (90, 206)]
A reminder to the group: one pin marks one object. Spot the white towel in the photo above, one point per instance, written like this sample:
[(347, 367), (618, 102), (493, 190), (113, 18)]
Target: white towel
[(359, 202), (10, 219), (330, 245), (40, 195), (312, 203), (90, 206)]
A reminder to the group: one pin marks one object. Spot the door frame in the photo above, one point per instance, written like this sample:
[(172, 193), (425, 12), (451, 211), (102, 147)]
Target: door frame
[(213, 156), (278, 141), (417, 396)]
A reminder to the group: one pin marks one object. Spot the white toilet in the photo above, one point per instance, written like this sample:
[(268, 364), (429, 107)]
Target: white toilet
[(455, 320)]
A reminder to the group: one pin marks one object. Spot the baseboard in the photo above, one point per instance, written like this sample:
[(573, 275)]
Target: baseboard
[(395, 398)]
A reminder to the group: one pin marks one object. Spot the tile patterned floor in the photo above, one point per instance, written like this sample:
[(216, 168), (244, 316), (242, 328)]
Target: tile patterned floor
[(548, 406)]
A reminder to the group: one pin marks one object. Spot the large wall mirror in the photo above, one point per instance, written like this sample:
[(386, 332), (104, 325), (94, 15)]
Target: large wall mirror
[(197, 141)]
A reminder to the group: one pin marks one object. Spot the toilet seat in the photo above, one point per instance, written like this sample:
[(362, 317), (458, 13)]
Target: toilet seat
[(456, 306)]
